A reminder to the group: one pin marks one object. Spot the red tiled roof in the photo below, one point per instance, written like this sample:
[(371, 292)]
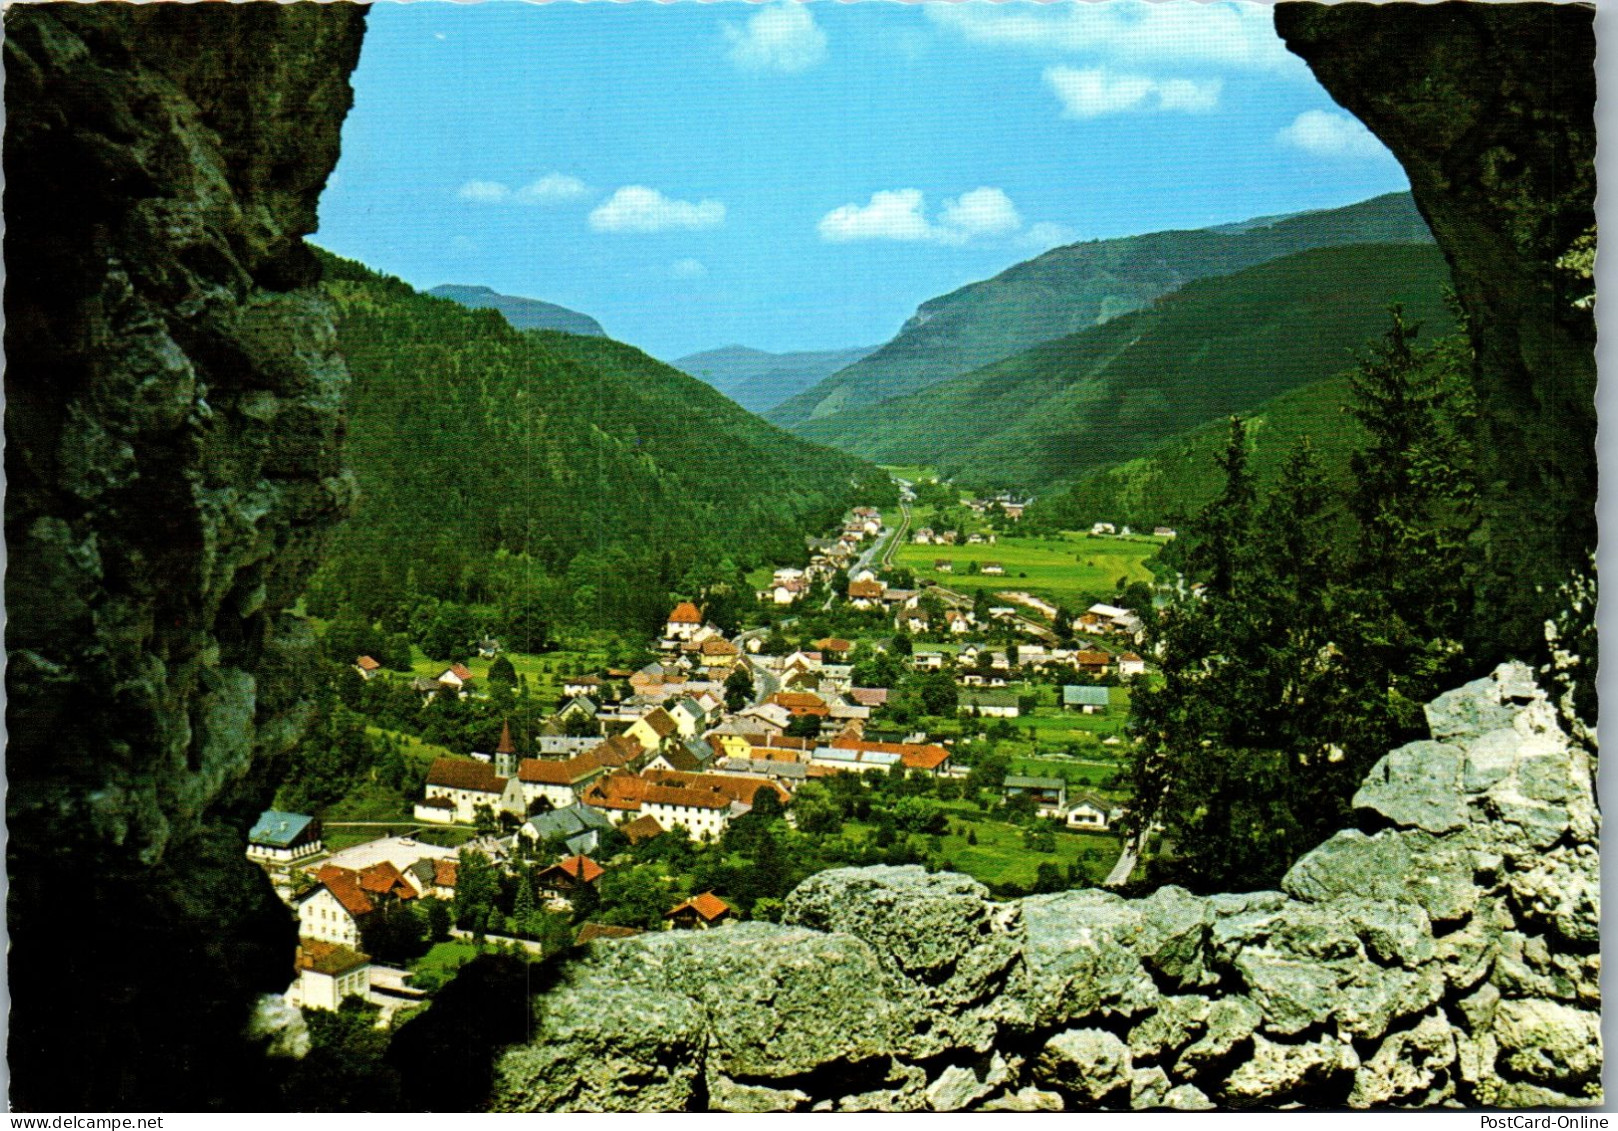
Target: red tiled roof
[(869, 696), (730, 786), (382, 878), (461, 672), (708, 905), (912, 755), (445, 873), (858, 589), (506, 745), (718, 646), (833, 644), (465, 773), (799, 702), (1131, 657), (580, 868), (685, 613), (557, 771), (366, 663), (345, 886)]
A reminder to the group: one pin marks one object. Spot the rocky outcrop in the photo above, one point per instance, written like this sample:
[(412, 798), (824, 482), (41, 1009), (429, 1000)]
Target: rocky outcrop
[(1444, 952), (173, 419), (1490, 109)]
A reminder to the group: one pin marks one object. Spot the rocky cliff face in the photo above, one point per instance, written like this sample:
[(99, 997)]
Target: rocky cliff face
[(1444, 952), (173, 421), (1490, 109)]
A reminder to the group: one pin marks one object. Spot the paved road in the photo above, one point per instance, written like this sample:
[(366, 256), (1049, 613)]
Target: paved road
[(765, 683)]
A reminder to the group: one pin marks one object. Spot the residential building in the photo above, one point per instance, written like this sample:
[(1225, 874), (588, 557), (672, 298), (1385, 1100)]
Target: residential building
[(992, 703), (931, 757), (683, 622), (1049, 794), (328, 973), (1088, 813), (367, 666), (283, 838), (338, 907), (1131, 665), (700, 912)]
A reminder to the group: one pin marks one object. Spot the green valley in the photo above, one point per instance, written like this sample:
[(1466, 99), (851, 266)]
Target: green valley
[(564, 479)]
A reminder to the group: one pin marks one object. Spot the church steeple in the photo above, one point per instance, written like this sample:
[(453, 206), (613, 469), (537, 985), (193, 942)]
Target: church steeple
[(505, 754)]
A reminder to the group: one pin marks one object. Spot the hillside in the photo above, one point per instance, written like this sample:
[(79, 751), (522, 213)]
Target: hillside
[(757, 380), (522, 313), (592, 474), (1111, 393), (1073, 288), (1174, 480)]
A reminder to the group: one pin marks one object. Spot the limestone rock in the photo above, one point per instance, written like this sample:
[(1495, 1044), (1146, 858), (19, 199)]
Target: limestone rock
[(940, 930), (1276, 1070), (1148, 1088), (1085, 1064), (1174, 926), (1026, 1099), (1078, 958), (1187, 1097), (960, 1085), (1410, 1067), (725, 1094), (1170, 1027), (1417, 786), (609, 1048), (807, 999), (1231, 1021), (1396, 866), (1548, 1043)]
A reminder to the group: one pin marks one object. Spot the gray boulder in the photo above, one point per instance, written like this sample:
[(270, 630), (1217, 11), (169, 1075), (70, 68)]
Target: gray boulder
[(1417, 786), (1079, 960), (1276, 1070)]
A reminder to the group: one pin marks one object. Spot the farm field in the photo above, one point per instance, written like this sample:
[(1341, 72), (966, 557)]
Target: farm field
[(1074, 570), (999, 856)]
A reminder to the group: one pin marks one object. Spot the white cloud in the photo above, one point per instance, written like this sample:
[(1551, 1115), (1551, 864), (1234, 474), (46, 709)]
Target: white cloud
[(981, 212), (636, 208), (553, 188), (483, 192), (688, 269), (893, 214), (1093, 92), (783, 38), (1228, 35), (1046, 235), (901, 214), (1326, 134)]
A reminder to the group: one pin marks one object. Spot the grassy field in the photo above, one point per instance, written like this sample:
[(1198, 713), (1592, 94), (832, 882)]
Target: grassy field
[(545, 674), (999, 856), (1075, 570)]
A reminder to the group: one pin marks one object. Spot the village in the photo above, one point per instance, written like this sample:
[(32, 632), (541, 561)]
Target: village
[(555, 838)]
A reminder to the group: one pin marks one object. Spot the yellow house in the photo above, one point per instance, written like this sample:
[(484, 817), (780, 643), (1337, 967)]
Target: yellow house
[(653, 729)]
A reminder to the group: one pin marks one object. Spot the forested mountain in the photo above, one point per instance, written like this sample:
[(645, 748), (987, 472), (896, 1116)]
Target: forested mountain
[(1072, 288), (557, 477), (1113, 392), (522, 313), (757, 380)]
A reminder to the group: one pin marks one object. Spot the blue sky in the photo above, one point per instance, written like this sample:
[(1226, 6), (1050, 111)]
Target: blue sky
[(801, 176)]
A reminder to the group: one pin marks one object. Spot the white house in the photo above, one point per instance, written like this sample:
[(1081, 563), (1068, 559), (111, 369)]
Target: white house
[(327, 973)]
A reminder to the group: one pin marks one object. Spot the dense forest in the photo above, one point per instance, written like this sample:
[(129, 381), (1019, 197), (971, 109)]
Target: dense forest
[(1319, 617), (554, 479)]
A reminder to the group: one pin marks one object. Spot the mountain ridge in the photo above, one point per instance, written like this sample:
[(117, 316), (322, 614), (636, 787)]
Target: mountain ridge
[(758, 380), (522, 313), (1071, 288)]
